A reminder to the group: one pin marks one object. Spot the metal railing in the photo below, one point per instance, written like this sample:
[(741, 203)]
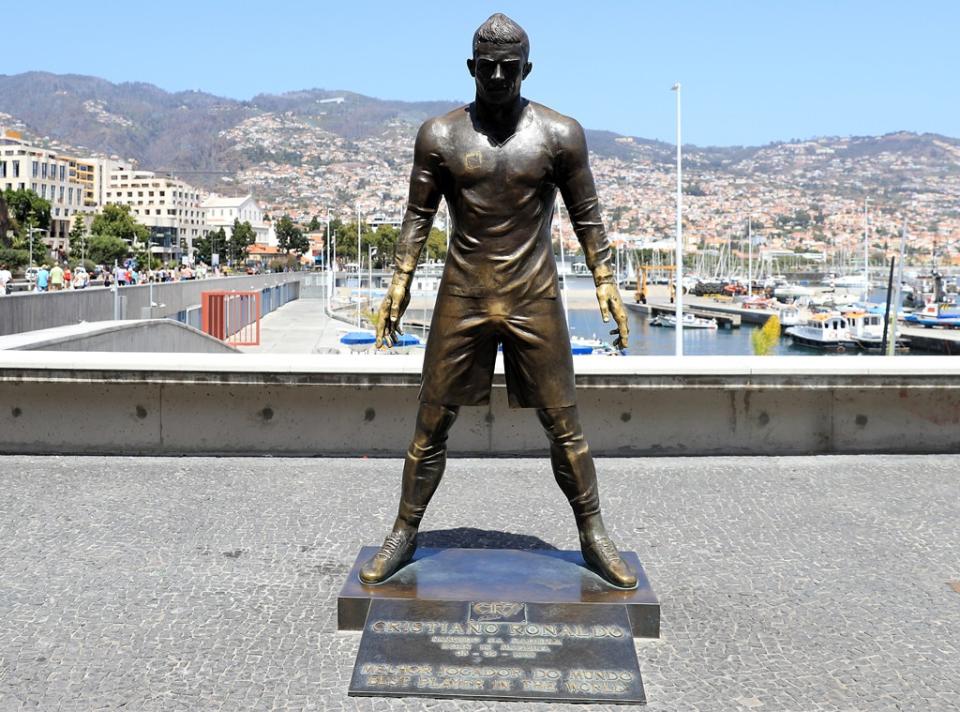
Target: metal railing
[(232, 316)]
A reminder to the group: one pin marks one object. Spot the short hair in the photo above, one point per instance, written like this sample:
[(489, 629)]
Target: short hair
[(500, 29)]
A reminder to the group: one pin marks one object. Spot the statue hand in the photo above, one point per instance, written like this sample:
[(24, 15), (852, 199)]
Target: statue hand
[(392, 307), (608, 294)]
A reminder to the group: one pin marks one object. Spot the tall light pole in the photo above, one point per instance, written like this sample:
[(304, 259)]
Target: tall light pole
[(358, 265), (678, 297), (750, 256)]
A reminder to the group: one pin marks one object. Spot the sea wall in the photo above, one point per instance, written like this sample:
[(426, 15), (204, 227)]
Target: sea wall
[(242, 404)]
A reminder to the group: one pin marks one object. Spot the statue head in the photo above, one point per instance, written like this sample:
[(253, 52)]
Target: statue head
[(499, 63)]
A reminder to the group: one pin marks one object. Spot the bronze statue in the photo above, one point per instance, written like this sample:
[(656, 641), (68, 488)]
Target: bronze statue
[(498, 163)]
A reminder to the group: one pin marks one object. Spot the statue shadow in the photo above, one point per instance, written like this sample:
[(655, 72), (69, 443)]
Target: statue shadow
[(470, 538)]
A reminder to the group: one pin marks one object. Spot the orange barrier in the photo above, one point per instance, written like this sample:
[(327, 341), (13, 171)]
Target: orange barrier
[(231, 316)]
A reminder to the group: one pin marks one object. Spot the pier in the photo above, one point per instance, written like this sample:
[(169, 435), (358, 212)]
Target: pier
[(724, 319)]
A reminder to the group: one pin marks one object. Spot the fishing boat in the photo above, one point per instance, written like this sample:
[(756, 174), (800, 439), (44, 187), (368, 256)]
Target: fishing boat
[(826, 332), (866, 329), (945, 314), (689, 321)]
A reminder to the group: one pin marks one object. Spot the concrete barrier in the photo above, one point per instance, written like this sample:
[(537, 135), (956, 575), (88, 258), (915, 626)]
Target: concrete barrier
[(177, 300), (142, 335), (364, 405)]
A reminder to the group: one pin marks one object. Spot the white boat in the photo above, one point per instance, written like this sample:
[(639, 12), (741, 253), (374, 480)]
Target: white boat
[(827, 332), (850, 281), (689, 321), (792, 291), (790, 315), (581, 346), (866, 329)]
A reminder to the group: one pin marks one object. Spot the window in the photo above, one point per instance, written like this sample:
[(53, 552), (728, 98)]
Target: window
[(61, 193), (63, 173), (36, 168), (69, 195), (43, 171), (16, 169), (43, 191), (3, 169)]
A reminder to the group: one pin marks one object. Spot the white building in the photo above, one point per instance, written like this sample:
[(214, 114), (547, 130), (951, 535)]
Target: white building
[(221, 212), (50, 175), (168, 206)]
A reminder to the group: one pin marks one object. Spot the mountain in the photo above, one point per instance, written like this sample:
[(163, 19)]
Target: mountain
[(316, 149)]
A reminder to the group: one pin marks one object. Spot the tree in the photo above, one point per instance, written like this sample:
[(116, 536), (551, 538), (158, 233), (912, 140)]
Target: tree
[(116, 221), (437, 245), (105, 249), (289, 236), (5, 240), (314, 224), (241, 237), (79, 246), (27, 210), (766, 337)]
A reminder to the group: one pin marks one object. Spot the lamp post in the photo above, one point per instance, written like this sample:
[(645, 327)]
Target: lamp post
[(358, 265), (678, 297)]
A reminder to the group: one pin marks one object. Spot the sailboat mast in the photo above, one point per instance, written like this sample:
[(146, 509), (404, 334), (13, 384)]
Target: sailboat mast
[(866, 252)]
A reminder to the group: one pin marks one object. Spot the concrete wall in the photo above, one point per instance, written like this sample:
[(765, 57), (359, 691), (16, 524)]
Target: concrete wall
[(30, 311), (143, 335), (365, 405)]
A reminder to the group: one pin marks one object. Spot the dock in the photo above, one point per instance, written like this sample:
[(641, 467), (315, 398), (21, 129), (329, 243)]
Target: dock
[(934, 340), (725, 320)]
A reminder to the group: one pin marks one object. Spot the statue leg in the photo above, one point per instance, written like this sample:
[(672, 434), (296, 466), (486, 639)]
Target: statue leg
[(422, 470), (575, 473)]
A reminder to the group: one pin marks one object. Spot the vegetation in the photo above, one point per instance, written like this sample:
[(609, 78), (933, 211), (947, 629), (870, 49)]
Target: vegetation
[(766, 337), (105, 249), (26, 210), (290, 237), (241, 237)]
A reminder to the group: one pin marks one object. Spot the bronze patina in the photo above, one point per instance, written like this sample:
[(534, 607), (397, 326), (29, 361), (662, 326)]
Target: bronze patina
[(498, 163)]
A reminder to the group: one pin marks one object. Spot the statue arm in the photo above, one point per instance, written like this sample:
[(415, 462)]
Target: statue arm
[(424, 198), (575, 181)]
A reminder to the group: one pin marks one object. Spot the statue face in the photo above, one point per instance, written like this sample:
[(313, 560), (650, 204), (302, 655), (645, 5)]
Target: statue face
[(498, 70)]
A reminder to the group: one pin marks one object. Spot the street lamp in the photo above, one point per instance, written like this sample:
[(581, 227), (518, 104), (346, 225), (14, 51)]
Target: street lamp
[(678, 298)]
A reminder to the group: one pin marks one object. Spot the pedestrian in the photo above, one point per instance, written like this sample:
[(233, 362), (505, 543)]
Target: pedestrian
[(5, 279), (120, 275), (43, 279), (56, 278), (67, 278)]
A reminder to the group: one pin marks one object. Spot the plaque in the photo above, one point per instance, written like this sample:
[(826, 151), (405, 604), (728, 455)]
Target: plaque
[(500, 650)]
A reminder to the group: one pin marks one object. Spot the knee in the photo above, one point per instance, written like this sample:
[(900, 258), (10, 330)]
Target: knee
[(562, 425), (433, 425)]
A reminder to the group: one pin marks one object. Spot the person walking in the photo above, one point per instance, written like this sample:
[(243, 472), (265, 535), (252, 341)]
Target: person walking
[(5, 278), (43, 279)]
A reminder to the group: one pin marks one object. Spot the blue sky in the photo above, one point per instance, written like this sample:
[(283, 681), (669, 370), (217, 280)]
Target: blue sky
[(752, 72)]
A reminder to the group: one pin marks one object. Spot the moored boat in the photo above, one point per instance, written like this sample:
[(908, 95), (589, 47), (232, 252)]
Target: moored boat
[(689, 321), (826, 332)]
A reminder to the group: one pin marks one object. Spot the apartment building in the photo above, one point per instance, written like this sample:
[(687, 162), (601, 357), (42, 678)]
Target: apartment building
[(221, 211), (52, 176), (168, 206)]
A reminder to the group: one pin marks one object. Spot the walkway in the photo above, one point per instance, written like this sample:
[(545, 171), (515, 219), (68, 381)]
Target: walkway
[(787, 584)]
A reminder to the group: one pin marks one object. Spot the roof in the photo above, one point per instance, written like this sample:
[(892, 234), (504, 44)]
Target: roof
[(258, 248), (217, 201)]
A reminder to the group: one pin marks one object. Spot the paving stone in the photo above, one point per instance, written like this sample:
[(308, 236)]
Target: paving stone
[(793, 584)]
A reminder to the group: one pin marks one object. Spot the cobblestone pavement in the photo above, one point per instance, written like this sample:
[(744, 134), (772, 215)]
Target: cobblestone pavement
[(210, 584)]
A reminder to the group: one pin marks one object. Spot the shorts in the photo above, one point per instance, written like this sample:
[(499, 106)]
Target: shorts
[(462, 349)]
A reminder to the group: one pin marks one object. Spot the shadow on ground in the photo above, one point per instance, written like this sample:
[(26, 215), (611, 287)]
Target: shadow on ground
[(470, 538)]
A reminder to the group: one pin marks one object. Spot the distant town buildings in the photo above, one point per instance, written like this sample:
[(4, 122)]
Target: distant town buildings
[(168, 206), (221, 212), (51, 175)]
